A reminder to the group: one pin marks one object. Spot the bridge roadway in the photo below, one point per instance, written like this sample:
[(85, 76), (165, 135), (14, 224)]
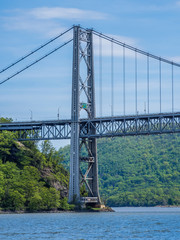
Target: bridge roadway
[(105, 127)]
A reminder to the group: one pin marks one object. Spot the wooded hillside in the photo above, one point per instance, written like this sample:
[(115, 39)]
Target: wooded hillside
[(133, 171), (31, 179), (138, 171)]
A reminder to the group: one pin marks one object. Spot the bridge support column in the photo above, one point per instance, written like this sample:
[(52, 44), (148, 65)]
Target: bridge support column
[(83, 98)]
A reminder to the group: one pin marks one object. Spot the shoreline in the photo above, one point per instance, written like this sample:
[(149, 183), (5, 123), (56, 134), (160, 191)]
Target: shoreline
[(107, 209)]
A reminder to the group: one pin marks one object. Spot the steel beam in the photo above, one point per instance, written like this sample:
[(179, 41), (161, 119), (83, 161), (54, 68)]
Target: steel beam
[(131, 125), (82, 89), (74, 188), (147, 124), (39, 130)]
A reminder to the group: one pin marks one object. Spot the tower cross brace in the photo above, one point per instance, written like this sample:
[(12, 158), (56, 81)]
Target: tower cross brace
[(83, 88)]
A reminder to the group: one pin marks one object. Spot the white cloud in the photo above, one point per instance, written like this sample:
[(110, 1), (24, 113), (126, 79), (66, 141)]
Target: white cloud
[(66, 13), (117, 50), (44, 20), (22, 21), (175, 59)]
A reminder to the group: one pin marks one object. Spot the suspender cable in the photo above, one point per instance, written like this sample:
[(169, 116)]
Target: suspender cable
[(172, 77), (136, 82), (100, 76), (148, 84), (160, 93), (112, 80), (124, 78), (36, 61), (135, 49), (34, 51)]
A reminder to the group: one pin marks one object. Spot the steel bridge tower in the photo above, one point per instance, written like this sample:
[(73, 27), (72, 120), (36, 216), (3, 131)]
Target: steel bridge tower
[(83, 86)]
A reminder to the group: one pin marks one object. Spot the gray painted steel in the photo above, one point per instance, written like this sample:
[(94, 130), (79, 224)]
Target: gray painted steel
[(132, 125), (83, 84), (103, 127), (74, 188), (39, 130), (92, 170), (84, 132)]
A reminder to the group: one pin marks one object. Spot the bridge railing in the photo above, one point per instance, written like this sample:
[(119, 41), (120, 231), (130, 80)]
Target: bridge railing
[(104, 127), (132, 125)]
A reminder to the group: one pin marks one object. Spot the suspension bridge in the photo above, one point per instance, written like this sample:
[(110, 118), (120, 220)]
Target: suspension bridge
[(135, 69)]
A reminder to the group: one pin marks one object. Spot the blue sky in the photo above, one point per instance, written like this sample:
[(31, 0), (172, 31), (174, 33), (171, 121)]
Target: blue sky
[(45, 89)]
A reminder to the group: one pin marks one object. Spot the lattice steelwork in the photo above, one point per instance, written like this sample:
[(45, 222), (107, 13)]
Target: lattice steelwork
[(84, 132), (103, 127), (132, 125), (39, 130), (83, 85)]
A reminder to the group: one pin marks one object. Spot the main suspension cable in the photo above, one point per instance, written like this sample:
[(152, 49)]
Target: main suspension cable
[(34, 51), (36, 61), (134, 49)]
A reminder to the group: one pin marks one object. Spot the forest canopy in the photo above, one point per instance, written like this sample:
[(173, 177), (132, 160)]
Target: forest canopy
[(139, 170), (31, 179), (133, 171)]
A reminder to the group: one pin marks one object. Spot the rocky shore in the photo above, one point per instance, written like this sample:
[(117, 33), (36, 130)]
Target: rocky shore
[(104, 209)]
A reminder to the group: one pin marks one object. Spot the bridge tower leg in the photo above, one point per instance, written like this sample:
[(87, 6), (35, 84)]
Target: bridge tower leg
[(83, 97)]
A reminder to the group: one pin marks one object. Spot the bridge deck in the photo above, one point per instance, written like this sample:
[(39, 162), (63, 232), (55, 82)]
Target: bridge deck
[(105, 127)]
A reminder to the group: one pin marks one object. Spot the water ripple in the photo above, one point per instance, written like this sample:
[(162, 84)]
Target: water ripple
[(125, 223)]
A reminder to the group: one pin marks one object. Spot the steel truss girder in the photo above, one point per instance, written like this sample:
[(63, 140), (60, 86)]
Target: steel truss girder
[(40, 130), (131, 125), (104, 127)]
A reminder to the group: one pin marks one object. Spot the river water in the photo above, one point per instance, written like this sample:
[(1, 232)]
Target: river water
[(125, 223)]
